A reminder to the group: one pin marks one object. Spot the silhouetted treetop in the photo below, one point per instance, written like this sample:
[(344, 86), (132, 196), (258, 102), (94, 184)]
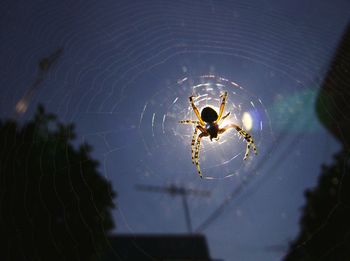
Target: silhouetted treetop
[(325, 224), (54, 204)]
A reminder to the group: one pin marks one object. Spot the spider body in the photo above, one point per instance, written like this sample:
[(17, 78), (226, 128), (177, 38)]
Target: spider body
[(209, 125), (212, 129), (209, 116)]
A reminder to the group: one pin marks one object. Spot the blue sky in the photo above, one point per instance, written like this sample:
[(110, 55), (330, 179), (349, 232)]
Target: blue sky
[(120, 56)]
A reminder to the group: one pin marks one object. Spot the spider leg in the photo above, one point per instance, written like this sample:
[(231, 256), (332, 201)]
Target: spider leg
[(222, 106), (196, 156), (193, 142), (189, 122), (245, 135), (224, 117), (196, 111)]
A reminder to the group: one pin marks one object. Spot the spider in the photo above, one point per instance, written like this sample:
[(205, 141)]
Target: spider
[(209, 124)]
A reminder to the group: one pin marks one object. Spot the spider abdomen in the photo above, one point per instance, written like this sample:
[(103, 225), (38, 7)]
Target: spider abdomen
[(209, 115)]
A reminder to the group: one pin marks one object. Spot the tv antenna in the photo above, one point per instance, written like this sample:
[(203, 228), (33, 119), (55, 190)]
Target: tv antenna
[(174, 190)]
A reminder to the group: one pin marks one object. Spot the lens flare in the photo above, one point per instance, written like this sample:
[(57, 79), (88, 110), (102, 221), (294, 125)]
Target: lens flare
[(247, 121)]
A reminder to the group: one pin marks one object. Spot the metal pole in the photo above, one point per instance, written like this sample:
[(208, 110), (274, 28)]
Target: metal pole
[(187, 213)]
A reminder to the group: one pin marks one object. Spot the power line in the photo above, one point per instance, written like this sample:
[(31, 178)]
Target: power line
[(219, 210)]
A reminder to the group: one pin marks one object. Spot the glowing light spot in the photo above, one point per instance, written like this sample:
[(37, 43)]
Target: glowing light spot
[(21, 106), (247, 121)]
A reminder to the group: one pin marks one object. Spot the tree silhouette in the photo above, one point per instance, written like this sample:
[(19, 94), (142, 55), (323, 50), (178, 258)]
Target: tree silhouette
[(54, 204), (325, 224)]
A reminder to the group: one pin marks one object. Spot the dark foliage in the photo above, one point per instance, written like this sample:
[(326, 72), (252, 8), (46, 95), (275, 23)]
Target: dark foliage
[(54, 205), (325, 224)]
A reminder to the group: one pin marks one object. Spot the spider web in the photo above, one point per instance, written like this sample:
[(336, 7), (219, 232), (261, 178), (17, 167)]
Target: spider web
[(125, 77), (160, 116)]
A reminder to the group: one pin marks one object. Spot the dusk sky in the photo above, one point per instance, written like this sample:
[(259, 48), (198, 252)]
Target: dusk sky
[(124, 78)]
